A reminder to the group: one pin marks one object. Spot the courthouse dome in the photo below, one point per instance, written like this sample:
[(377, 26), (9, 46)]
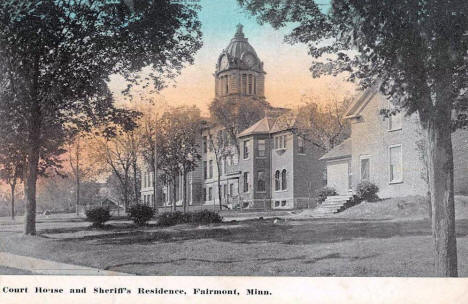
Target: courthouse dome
[(239, 54)]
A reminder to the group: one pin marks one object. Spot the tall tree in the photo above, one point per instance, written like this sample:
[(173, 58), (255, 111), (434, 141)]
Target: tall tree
[(149, 127), (81, 168), (321, 120), (56, 57), (236, 114), (414, 52), (220, 143), (178, 146), (115, 155)]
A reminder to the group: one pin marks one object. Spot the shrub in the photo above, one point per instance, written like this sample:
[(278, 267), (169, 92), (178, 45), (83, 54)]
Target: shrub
[(205, 217), (323, 193), (171, 218), (200, 217), (98, 216), (367, 191), (140, 214)]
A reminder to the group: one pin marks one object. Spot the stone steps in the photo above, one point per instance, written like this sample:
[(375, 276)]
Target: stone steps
[(332, 205)]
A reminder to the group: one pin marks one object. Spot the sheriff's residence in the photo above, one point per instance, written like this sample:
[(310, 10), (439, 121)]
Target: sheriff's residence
[(275, 168), (387, 152)]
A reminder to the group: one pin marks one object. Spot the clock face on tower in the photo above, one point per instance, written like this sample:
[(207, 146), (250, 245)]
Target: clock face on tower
[(224, 64), (249, 59)]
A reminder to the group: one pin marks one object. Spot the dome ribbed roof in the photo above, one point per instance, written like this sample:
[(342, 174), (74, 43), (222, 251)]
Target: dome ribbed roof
[(239, 45)]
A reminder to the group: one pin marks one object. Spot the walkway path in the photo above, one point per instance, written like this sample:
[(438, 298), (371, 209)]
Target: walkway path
[(39, 266)]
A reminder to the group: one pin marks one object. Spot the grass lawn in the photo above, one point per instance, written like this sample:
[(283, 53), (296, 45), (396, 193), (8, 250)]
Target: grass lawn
[(289, 247)]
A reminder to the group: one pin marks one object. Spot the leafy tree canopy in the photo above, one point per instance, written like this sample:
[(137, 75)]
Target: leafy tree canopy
[(406, 47)]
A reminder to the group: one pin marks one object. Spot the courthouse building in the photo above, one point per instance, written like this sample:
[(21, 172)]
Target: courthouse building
[(271, 166)]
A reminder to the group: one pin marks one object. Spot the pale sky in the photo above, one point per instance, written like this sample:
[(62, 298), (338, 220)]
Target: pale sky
[(287, 66)]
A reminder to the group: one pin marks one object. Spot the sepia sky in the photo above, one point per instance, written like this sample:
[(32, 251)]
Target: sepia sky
[(287, 66)]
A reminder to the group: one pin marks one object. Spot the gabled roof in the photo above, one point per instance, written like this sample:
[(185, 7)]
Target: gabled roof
[(263, 126), (280, 121), (357, 106), (343, 150)]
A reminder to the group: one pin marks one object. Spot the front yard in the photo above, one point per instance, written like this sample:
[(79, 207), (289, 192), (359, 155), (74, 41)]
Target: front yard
[(286, 247)]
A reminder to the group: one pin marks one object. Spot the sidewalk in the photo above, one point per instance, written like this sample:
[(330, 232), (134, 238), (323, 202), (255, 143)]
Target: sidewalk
[(39, 266)]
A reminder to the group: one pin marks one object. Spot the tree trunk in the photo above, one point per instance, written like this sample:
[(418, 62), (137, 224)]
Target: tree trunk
[(440, 166), (77, 176), (32, 159), (185, 191), (12, 186), (135, 179), (219, 187), (30, 191), (155, 192), (174, 191), (78, 188)]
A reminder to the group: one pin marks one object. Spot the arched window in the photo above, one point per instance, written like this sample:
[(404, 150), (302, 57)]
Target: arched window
[(277, 180), (284, 183)]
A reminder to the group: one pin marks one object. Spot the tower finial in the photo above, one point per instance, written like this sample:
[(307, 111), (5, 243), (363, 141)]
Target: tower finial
[(239, 32)]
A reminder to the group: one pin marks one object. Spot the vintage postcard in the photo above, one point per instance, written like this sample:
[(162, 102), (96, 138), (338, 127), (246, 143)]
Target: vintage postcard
[(236, 150)]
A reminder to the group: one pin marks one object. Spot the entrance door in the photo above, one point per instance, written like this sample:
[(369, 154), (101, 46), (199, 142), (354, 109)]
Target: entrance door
[(338, 176)]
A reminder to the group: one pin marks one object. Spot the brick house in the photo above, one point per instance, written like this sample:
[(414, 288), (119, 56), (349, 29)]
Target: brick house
[(385, 151)]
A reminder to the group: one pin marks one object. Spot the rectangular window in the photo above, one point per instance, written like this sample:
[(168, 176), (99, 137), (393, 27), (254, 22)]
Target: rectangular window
[(261, 181), (396, 164), (205, 144), (225, 162), (277, 203), (205, 169), (250, 84), (246, 181), (210, 193), (231, 189), (210, 144), (255, 85), (225, 190), (244, 84), (204, 194), (261, 148), (280, 142), (395, 121), (365, 168), (211, 169), (144, 183), (300, 145), (246, 149), (283, 203)]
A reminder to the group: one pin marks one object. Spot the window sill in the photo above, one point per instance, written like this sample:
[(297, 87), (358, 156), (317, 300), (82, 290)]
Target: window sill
[(262, 157), (280, 149), (261, 191), (301, 153), (394, 130), (396, 182), (285, 190)]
